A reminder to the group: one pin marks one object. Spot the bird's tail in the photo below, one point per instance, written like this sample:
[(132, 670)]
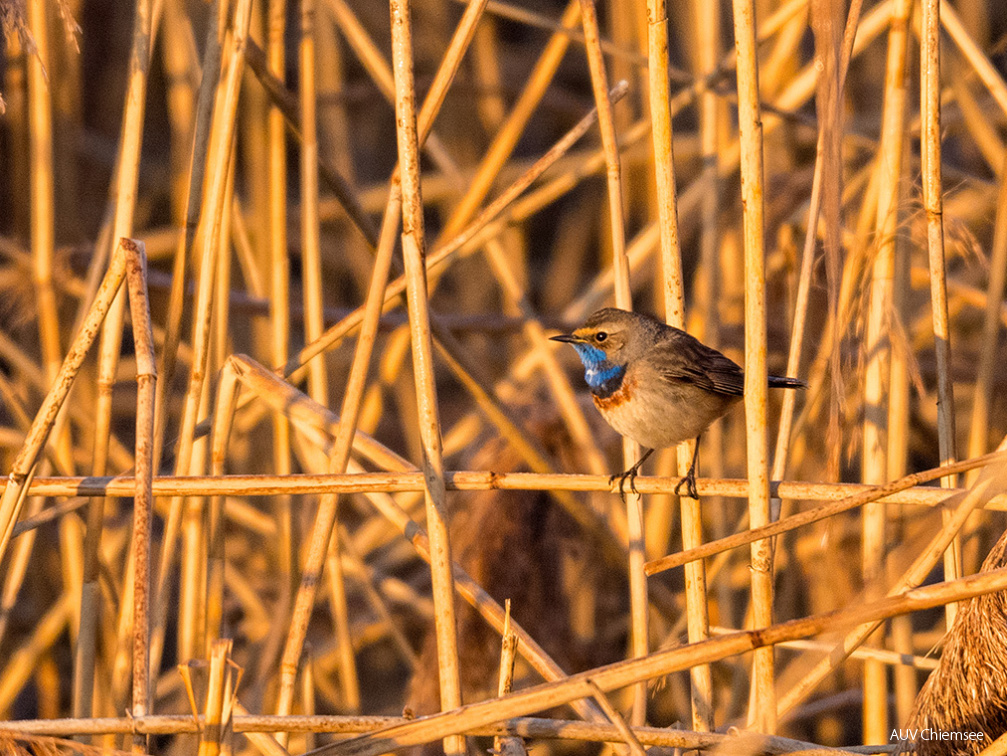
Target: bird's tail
[(779, 381)]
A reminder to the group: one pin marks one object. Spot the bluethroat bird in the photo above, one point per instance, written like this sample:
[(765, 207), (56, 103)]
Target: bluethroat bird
[(655, 384)]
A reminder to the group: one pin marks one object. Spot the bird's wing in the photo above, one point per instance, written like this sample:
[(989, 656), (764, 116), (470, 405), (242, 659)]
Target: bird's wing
[(682, 358)]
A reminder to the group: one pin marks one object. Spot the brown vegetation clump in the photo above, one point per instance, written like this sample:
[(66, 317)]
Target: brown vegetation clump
[(522, 546), (967, 693)]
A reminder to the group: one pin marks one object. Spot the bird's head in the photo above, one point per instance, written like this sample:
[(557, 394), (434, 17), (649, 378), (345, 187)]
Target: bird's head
[(607, 342)]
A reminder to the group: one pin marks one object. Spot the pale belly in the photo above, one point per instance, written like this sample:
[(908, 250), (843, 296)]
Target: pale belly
[(657, 420)]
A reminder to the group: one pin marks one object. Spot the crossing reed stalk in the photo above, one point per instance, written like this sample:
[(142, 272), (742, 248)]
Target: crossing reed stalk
[(763, 712)]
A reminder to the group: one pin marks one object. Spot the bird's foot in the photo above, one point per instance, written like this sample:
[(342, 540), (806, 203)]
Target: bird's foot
[(630, 475), (689, 481), (622, 477)]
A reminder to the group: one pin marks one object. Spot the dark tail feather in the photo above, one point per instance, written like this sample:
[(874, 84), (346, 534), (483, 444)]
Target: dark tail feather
[(778, 381)]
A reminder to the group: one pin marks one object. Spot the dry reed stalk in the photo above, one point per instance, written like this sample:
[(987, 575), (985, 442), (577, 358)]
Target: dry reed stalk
[(873, 494), (508, 649), (43, 224), (986, 139), (874, 461), (279, 319), (186, 460), (263, 742), (933, 205), (354, 390), (311, 283), (713, 132), (23, 468), (763, 712), (202, 129), (211, 542), (121, 227), (983, 394), (181, 65), (658, 664), (997, 748), (40, 113), (489, 76), (903, 675), (215, 730), (674, 314), (127, 177), (223, 408), (71, 542), (255, 725), (783, 436), (828, 157), (308, 693), (121, 649), (990, 483), (368, 580), (246, 256), (222, 277), (624, 300), (202, 137), (413, 253), (311, 259), (893, 658), (407, 480), (146, 380), (193, 557), (634, 746), (348, 678), (653, 39)]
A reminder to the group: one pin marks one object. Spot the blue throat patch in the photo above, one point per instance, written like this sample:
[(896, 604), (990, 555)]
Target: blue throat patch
[(602, 376)]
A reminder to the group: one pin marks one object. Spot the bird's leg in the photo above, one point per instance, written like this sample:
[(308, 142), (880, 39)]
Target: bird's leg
[(690, 477), (630, 474)]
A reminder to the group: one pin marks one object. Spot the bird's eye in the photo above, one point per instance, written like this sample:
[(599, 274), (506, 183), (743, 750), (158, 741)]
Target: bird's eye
[(600, 336)]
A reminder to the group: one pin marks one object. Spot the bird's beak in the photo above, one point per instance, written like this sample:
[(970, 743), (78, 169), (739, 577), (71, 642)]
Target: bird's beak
[(567, 338)]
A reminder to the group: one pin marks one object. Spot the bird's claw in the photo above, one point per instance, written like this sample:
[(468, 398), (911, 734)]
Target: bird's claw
[(689, 481), (622, 477)]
